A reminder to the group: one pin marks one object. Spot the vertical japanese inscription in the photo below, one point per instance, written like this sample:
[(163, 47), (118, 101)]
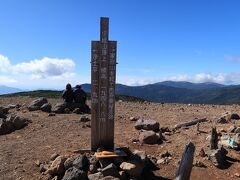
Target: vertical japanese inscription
[(103, 89)]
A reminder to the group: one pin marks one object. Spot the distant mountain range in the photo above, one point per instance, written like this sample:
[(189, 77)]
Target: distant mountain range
[(181, 92), (8, 90), (173, 92)]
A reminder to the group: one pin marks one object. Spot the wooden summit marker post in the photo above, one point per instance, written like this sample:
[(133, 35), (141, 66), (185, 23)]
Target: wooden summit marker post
[(103, 72)]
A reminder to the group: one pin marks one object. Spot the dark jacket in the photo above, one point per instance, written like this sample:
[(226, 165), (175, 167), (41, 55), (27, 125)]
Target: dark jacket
[(79, 96), (68, 96)]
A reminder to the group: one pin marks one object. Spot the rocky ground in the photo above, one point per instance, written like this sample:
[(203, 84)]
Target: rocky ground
[(64, 134)]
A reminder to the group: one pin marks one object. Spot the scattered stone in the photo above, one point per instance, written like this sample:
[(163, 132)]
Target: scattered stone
[(36, 104), (110, 170), (221, 120), (57, 166), (237, 174), (161, 161), (134, 169), (75, 174), (84, 119), (202, 153), (51, 114), (234, 116), (232, 129), (81, 162), (77, 111), (165, 129), (37, 162), (237, 130), (42, 168), (47, 107), (67, 111), (134, 118), (147, 125), (149, 137), (54, 156), (218, 157), (165, 154), (95, 176), (200, 164), (69, 162)]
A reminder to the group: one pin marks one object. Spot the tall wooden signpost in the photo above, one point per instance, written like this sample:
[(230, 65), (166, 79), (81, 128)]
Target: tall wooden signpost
[(103, 79)]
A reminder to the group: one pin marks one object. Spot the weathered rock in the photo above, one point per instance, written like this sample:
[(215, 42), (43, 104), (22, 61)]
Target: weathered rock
[(54, 156), (81, 162), (217, 157), (236, 138), (77, 111), (59, 108), (51, 114), (6, 127), (147, 125), (84, 119), (202, 153), (36, 104), (232, 129), (47, 107), (237, 130), (57, 166), (109, 178), (19, 122), (221, 120), (149, 137), (134, 118), (110, 170), (75, 174), (95, 176), (69, 162), (67, 110), (234, 116), (134, 169), (3, 111), (123, 175)]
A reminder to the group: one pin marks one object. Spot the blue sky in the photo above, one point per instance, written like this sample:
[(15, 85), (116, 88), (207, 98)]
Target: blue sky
[(46, 43)]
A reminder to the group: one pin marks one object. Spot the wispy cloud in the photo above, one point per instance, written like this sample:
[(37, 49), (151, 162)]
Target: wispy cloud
[(232, 58)]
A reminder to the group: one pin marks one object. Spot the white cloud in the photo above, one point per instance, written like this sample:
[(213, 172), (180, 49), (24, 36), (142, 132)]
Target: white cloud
[(38, 68), (4, 63), (7, 80)]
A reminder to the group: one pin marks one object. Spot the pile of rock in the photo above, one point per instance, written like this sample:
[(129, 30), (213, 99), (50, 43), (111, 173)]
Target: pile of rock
[(10, 122), (150, 132), (40, 104), (86, 166), (43, 104)]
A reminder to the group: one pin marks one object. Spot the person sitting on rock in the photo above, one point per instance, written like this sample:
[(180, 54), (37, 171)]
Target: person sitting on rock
[(68, 94), (79, 95)]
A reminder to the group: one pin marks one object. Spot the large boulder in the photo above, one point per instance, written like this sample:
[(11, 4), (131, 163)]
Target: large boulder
[(149, 137), (3, 111), (47, 107), (19, 122), (147, 125), (59, 108), (75, 174), (36, 104), (6, 126)]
